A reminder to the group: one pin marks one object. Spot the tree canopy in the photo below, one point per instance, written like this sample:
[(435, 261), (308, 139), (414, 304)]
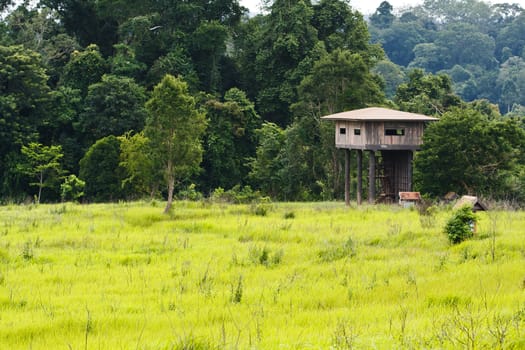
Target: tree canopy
[(130, 86)]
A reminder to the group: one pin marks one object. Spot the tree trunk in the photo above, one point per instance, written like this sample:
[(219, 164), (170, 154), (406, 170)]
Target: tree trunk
[(41, 184), (171, 186), (347, 177)]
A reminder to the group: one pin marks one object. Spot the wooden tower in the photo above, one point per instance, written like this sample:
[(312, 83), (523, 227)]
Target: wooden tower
[(391, 137)]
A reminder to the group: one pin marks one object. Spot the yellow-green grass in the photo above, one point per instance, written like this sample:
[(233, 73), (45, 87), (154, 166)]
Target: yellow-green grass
[(303, 276)]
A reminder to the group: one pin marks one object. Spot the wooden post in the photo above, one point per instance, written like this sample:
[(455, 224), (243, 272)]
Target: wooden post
[(372, 177), (410, 169), (359, 176), (347, 176)]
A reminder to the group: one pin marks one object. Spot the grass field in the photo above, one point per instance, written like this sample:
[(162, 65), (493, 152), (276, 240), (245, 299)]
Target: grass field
[(272, 276)]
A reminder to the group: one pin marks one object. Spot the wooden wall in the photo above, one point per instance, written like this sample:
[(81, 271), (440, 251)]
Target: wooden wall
[(373, 135)]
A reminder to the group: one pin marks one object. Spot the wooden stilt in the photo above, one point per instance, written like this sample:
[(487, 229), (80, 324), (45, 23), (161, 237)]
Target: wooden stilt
[(347, 176), (372, 177), (359, 176), (410, 169)]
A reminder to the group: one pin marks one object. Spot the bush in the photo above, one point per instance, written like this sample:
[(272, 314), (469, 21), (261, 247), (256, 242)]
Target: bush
[(190, 193), (72, 188), (460, 226), (236, 194), (101, 171)]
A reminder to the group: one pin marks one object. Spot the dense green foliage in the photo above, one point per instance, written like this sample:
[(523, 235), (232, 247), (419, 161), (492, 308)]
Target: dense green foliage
[(219, 276), (74, 72), (468, 152), (476, 43), (460, 226), (174, 128), (100, 170)]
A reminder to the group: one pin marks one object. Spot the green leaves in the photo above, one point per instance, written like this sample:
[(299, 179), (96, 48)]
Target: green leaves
[(466, 152), (41, 163), (112, 106), (175, 128), (461, 225)]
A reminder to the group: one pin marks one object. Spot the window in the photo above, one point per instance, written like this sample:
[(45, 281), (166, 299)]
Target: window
[(394, 132), (357, 131), (342, 131)]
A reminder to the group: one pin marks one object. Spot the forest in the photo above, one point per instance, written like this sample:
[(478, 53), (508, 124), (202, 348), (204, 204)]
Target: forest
[(104, 100)]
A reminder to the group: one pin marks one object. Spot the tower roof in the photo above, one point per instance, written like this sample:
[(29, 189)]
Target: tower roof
[(378, 114)]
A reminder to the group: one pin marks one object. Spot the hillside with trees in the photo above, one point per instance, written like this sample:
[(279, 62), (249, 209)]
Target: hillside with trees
[(112, 100), (480, 46)]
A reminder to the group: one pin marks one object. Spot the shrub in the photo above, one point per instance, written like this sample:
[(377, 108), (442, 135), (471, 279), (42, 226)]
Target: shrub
[(236, 194), (190, 193), (101, 171), (72, 188), (460, 226)]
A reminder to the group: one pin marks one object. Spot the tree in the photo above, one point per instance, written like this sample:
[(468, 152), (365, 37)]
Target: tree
[(112, 106), (426, 93), (467, 152), (427, 56), (24, 96), (285, 41), (340, 81), (383, 17), (512, 35), (5, 4), (124, 63), (90, 21), (462, 44), (266, 167), (230, 141), (84, 68), (392, 75), (399, 41), (177, 63), (101, 171), (43, 164), (339, 27), (174, 127), (142, 170), (511, 79), (208, 47)]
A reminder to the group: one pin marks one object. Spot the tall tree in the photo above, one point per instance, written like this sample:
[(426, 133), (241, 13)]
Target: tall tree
[(511, 80), (462, 44), (399, 41), (286, 40), (112, 106), (89, 21), (469, 153), (208, 47), (140, 163), (101, 171), (84, 68), (426, 93), (231, 140), (340, 81), (383, 17), (267, 167), (24, 96), (340, 27), (174, 127)]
